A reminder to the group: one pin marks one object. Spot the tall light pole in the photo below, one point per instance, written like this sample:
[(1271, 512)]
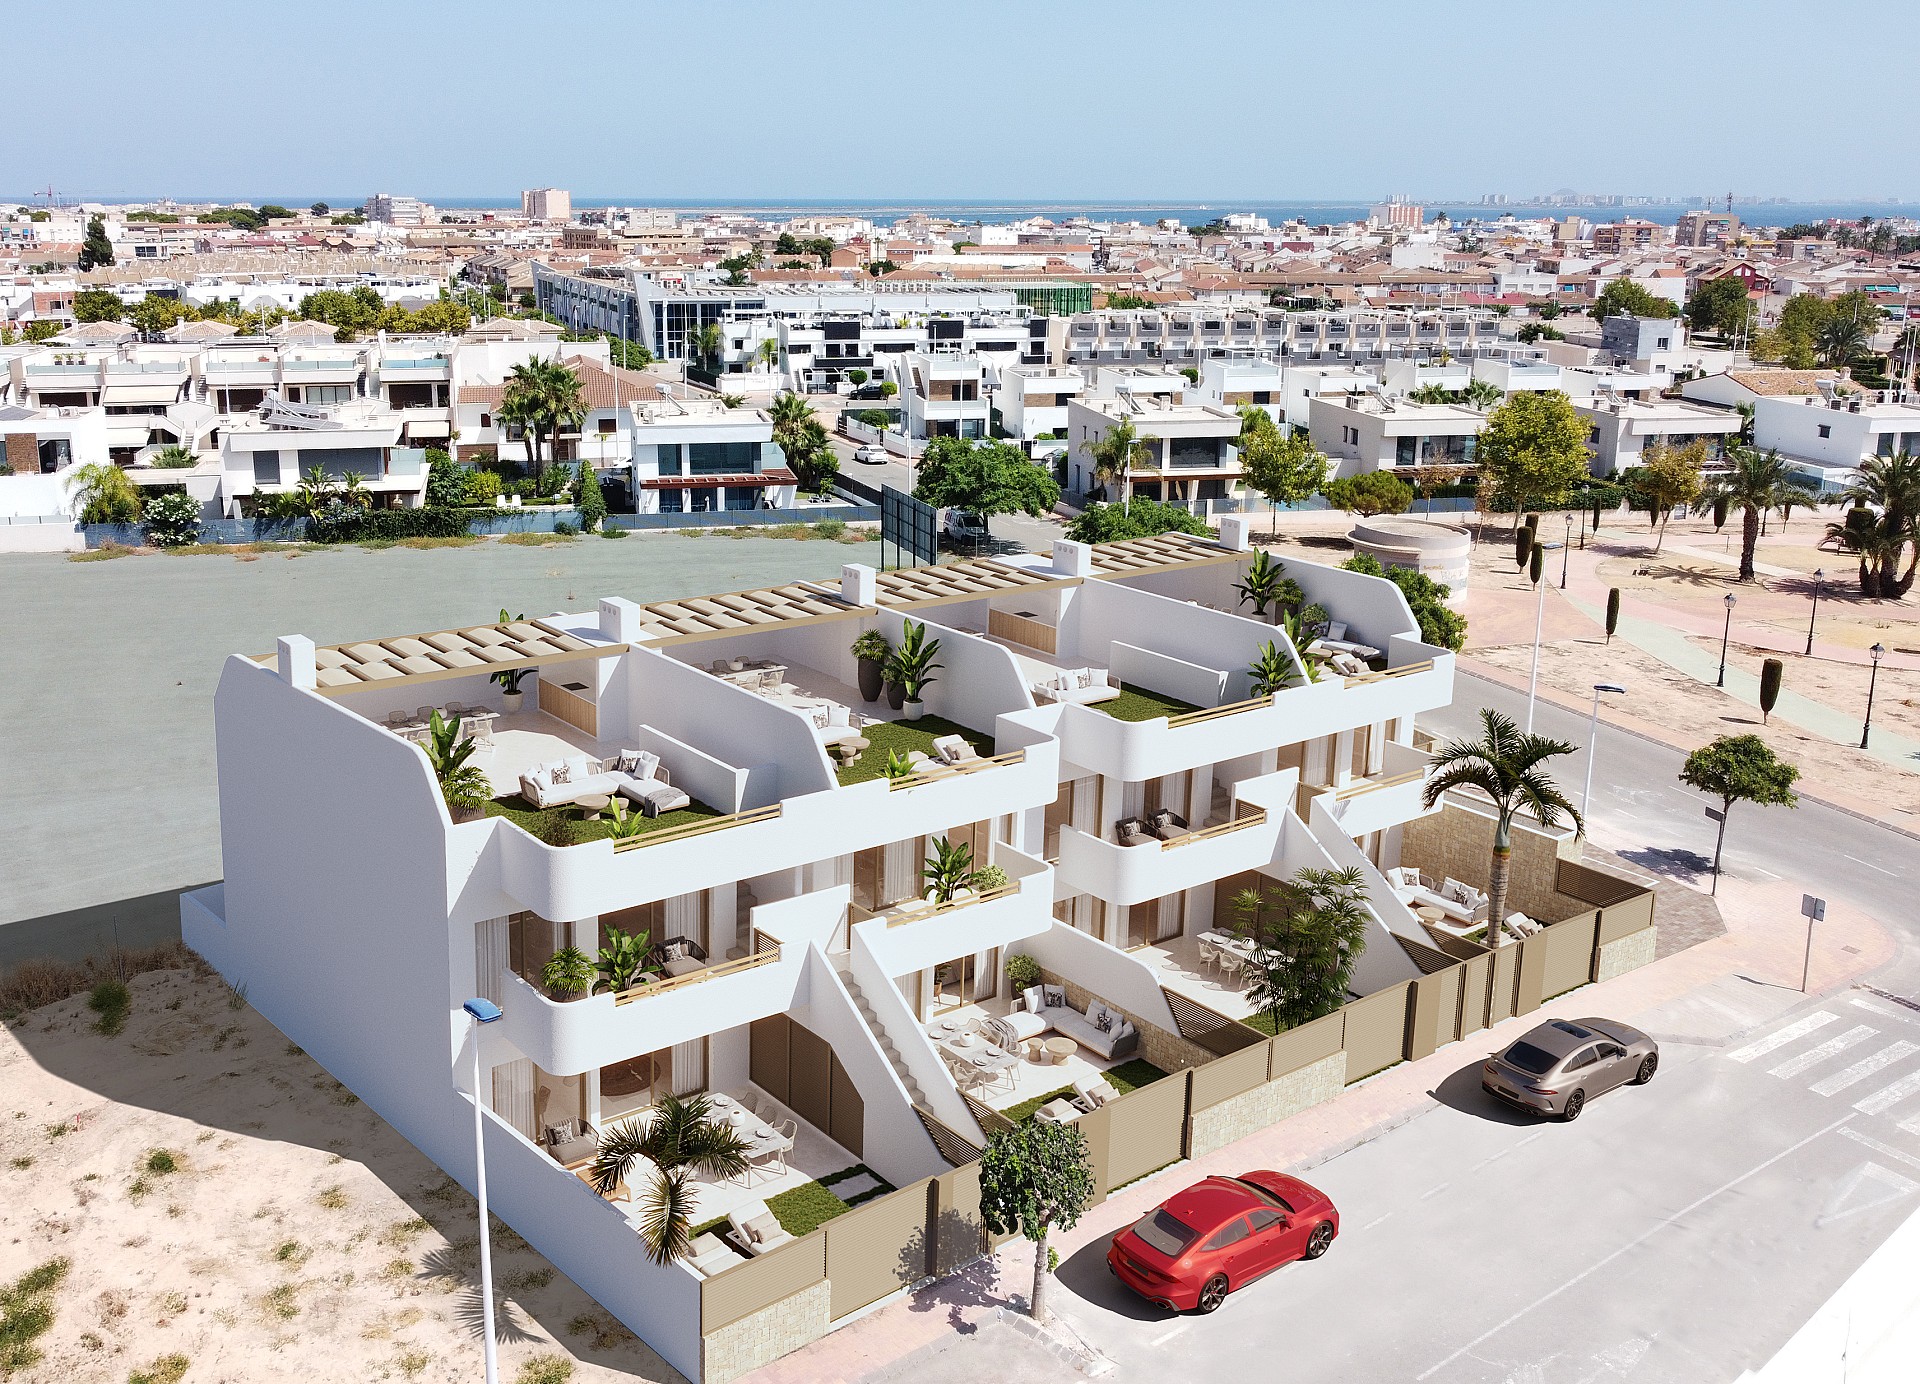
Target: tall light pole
[(1566, 550), (482, 1011), (1819, 578), (1721, 681), (1879, 651), (1593, 736)]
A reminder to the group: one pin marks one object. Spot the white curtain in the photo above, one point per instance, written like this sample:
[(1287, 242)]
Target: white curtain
[(513, 1095), (689, 1067), (686, 916), (491, 956), (900, 870)]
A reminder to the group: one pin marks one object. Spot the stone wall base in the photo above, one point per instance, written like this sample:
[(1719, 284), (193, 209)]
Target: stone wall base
[(1628, 954), (1268, 1104), (766, 1335)]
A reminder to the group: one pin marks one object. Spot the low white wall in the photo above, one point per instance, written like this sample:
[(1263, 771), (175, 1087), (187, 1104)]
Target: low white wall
[(32, 494), (760, 735), (1104, 612), (1384, 961), (713, 781), (55, 537), (1169, 676), (979, 681), (909, 1039), (1110, 973)]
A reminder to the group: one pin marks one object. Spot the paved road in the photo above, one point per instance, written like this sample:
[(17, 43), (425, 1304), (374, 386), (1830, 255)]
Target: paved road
[(1641, 810), (1678, 1232)]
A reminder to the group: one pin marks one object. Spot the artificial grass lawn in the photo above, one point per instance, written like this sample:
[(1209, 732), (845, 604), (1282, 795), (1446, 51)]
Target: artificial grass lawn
[(561, 826), (804, 1209), (904, 737), (1130, 1075), (1139, 704)]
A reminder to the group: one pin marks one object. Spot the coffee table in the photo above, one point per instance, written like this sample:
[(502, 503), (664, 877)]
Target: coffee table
[(1427, 913), (1059, 1049), (850, 749), (591, 805)]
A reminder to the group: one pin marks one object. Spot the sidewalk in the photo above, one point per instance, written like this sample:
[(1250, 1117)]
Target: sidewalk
[(1764, 942)]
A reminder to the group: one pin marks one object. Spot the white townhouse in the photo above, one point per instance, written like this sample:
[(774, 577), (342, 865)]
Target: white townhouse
[(804, 963), (696, 454), (1189, 453), (1828, 434), (1376, 432), (1621, 431), (942, 395), (1032, 403)]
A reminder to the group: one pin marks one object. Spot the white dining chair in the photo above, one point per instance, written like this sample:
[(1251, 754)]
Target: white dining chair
[(1230, 963)]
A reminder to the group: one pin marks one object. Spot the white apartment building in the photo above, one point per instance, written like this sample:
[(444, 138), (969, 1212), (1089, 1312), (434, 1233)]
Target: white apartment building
[(1234, 382), (1032, 401), (1374, 432), (396, 211), (796, 963), (1191, 450), (943, 395), (695, 455), (271, 451), (1187, 336), (1620, 431), (546, 204), (1828, 434)]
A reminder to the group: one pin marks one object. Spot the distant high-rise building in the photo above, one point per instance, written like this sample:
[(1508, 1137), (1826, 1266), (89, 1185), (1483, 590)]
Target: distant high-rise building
[(547, 204), (395, 211), (1706, 228), (1398, 214), (1614, 237)]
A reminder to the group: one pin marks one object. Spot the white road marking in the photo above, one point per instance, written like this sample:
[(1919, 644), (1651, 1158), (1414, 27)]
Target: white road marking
[(1884, 1011), (1377, 1220), (1779, 1038), (1435, 1191), (1764, 874), (1869, 1186), (1888, 1096), (1632, 1244), (1911, 1124), (1813, 1057), (1883, 1150), (1162, 1339), (1866, 1067), (1871, 866)]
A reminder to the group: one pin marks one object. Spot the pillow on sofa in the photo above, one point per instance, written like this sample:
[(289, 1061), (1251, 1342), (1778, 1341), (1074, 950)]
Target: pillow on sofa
[(558, 1134), (581, 766), (558, 773), (819, 718), (763, 1228), (1084, 678), (1036, 1001), (1103, 1020), (1054, 996), (1453, 891)]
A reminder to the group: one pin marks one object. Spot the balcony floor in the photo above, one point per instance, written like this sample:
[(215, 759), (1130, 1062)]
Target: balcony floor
[(1178, 962), (1030, 1078)]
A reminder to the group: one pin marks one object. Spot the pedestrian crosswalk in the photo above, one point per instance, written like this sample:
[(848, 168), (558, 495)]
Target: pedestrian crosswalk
[(1848, 1061)]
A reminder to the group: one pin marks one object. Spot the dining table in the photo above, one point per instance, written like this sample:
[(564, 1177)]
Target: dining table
[(760, 1137), (977, 1052)]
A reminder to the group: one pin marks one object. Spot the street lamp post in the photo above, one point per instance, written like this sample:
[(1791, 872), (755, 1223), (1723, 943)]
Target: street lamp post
[(1721, 681), (1566, 551), (1819, 578), (482, 1011), (1879, 651), (1593, 736)]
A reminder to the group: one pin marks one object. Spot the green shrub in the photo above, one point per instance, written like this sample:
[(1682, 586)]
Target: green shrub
[(1370, 493), (26, 1314), (172, 520), (1440, 624), (112, 1001), (566, 529), (1022, 971), (355, 525), (1104, 523)]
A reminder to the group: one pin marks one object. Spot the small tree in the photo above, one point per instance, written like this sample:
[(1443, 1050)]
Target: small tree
[(1532, 449), (1307, 932), (1522, 545), (1035, 1177), (1440, 624), (985, 476), (97, 305), (1536, 564), (1613, 611), (1739, 769), (1370, 493), (105, 494), (1670, 478), (1772, 673), (1285, 468), (591, 501), (96, 251)]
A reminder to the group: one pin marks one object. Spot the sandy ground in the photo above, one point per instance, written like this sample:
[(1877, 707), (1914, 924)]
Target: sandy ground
[(297, 1227), (1697, 712)]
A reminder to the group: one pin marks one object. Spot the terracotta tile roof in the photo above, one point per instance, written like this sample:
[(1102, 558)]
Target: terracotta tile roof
[(1774, 383), (596, 386)]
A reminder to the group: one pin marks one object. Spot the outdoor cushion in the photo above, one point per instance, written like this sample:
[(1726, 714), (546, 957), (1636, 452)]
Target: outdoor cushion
[(1459, 893), (1055, 996), (557, 774), (1036, 1001), (763, 1228)]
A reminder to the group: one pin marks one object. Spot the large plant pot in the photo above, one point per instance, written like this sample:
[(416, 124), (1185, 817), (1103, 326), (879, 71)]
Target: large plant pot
[(466, 814), (512, 701), (914, 710), (873, 679), (567, 996), (896, 695)]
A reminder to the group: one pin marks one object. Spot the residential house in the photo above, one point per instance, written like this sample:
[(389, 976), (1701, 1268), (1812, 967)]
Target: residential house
[(1376, 432)]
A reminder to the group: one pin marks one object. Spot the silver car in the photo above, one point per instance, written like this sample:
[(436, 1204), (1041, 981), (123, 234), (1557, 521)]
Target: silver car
[(1561, 1065)]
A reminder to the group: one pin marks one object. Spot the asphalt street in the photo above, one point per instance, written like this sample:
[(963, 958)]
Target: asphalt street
[(1642, 811)]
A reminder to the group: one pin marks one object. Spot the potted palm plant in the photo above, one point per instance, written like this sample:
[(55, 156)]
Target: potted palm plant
[(913, 668), (462, 784), (872, 650), (1264, 583), (511, 697), (568, 975), (1272, 670), (948, 870), (680, 1136), (622, 960)]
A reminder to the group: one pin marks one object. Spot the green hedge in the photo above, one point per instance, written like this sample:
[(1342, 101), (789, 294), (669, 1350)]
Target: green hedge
[(356, 526)]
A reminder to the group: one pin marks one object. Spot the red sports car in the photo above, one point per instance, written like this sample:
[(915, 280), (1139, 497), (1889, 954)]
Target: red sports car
[(1195, 1247)]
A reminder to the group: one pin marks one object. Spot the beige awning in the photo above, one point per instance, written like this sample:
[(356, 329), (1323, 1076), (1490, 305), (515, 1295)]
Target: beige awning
[(419, 428), (141, 394)]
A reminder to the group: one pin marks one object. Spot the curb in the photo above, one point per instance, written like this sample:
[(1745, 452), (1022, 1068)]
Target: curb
[(1058, 1341), (1486, 672)]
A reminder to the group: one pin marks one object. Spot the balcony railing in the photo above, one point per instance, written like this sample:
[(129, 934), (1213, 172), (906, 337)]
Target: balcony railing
[(1405, 670), (1194, 718), (942, 909), (146, 367), (1253, 817), (1375, 785), (736, 819), (428, 363), (725, 968), (971, 766), (352, 363), (46, 368)]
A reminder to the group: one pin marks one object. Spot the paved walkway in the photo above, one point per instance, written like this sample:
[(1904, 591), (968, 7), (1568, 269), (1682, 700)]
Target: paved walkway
[(1764, 942)]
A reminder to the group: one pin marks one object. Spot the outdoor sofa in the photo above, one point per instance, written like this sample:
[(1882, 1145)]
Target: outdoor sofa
[(1043, 1009), (636, 775), (1461, 903)]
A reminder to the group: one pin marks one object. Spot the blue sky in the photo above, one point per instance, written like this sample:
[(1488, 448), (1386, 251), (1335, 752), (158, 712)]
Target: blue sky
[(961, 100)]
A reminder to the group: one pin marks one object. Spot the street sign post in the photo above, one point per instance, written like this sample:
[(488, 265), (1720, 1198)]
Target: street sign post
[(1814, 911), (1714, 814)]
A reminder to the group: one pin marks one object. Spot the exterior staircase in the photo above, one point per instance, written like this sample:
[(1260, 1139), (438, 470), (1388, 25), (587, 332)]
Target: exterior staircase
[(880, 1035)]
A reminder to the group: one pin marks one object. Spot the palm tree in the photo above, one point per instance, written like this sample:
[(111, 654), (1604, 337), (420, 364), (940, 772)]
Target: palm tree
[(1116, 454), (1840, 340), (1482, 394), (1505, 766), (769, 352), (1884, 523), (1756, 482), (354, 492), (105, 493), (520, 404), (462, 784), (562, 400), (316, 492), (707, 343), (679, 1137)]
